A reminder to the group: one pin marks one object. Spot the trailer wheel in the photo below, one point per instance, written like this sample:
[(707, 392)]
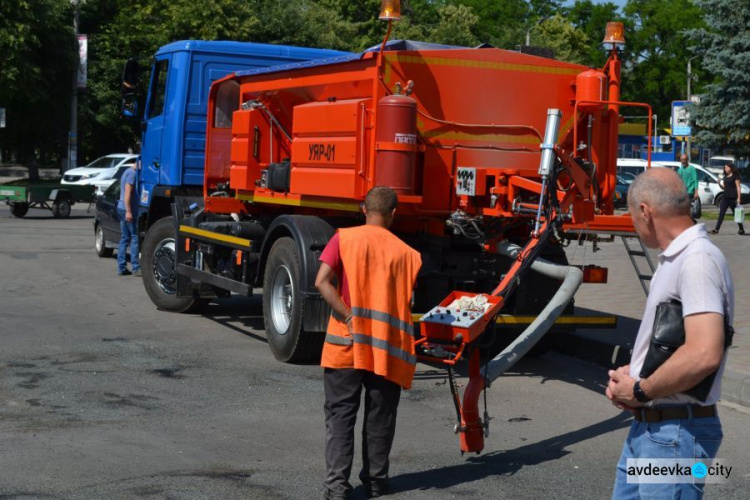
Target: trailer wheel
[(283, 305), (61, 209), (159, 268), (19, 209), (99, 244)]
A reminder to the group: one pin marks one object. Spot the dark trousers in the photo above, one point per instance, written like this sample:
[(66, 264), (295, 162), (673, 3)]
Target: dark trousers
[(724, 204), (343, 390)]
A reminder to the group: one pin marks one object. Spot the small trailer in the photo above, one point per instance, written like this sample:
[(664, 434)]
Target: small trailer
[(21, 195)]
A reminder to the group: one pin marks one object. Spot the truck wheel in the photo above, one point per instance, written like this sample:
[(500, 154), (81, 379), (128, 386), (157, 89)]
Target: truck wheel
[(159, 268), (283, 305), (99, 244), (61, 209), (19, 209)]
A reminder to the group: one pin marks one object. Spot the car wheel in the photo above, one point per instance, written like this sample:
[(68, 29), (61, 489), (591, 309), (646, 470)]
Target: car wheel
[(19, 209), (99, 244), (159, 269), (717, 200), (283, 305), (61, 209)]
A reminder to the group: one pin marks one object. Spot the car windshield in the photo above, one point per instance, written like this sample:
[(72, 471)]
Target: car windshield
[(104, 162)]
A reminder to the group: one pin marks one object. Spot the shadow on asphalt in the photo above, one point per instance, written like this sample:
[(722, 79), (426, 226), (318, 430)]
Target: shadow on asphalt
[(242, 314), (508, 462)]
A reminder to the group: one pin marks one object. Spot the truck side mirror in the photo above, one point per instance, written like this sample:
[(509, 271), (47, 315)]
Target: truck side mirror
[(129, 88)]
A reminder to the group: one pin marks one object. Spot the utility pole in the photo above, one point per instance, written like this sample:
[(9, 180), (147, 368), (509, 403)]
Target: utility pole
[(689, 78), (73, 134)]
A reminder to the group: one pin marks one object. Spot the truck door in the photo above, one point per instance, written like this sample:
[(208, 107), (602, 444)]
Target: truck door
[(154, 123)]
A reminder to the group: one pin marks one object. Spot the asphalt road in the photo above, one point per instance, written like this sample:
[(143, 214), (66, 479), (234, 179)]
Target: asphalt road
[(104, 397)]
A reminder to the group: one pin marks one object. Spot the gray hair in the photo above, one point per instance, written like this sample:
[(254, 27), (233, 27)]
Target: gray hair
[(667, 198)]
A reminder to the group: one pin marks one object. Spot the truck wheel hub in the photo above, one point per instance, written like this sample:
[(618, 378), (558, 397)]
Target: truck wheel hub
[(164, 266), (282, 300)]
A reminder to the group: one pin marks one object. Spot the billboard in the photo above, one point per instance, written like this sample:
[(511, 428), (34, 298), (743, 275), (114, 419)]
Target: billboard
[(681, 119)]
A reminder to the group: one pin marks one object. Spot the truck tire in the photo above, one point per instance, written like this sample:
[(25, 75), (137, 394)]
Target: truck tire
[(283, 304), (158, 266), (19, 209), (100, 246), (61, 209)]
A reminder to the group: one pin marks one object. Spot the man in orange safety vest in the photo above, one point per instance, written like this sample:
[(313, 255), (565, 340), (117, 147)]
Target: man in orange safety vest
[(369, 342)]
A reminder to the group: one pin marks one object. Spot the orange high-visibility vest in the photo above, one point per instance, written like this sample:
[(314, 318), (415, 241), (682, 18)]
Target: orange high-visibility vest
[(381, 271)]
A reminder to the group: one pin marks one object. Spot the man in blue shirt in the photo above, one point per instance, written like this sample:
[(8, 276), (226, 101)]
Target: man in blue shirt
[(127, 211)]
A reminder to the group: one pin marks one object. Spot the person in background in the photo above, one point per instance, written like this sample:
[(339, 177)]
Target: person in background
[(369, 342), (127, 211), (732, 187), (689, 177)]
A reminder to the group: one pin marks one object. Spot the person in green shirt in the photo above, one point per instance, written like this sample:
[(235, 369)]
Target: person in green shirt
[(689, 176)]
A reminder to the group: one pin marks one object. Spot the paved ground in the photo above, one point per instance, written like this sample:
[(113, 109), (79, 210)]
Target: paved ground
[(103, 396)]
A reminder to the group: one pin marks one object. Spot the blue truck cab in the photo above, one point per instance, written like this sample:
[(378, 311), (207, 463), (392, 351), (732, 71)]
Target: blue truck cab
[(173, 125)]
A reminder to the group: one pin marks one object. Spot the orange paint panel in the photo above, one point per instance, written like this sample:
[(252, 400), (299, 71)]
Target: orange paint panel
[(331, 152), (328, 118), (334, 183)]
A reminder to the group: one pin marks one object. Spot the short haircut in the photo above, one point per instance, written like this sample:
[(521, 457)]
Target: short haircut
[(381, 199), (666, 196)]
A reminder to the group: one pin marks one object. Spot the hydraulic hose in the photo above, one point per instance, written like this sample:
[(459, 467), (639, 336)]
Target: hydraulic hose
[(571, 279)]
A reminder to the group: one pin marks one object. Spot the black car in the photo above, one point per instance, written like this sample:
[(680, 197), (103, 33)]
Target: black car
[(106, 222)]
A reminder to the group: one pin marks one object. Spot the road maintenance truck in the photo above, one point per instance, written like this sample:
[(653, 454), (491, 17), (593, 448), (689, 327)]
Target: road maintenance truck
[(499, 160)]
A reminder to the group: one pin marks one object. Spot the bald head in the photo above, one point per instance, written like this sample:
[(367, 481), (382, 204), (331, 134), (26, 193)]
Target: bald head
[(662, 190)]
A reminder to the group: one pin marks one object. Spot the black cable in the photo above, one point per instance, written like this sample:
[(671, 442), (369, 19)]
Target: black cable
[(454, 393)]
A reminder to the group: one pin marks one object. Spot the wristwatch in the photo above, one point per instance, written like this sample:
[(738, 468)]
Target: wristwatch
[(639, 394)]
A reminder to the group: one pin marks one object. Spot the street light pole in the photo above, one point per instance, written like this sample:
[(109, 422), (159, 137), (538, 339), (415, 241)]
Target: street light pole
[(73, 134), (689, 78)]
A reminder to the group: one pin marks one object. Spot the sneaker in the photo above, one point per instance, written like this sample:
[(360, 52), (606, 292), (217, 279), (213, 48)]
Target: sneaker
[(124, 273), (741, 231), (137, 273), (329, 495)]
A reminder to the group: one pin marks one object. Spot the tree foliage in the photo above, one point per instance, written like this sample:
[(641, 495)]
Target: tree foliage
[(36, 70), (723, 114), (570, 44), (657, 51)]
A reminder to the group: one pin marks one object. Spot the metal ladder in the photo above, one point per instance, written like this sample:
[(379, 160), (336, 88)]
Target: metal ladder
[(634, 252)]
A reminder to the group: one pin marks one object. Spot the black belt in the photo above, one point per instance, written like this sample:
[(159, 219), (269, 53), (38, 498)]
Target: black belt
[(674, 413)]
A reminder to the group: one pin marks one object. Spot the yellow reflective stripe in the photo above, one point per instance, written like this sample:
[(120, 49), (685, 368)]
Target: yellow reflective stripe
[(202, 233), (490, 65), (272, 200)]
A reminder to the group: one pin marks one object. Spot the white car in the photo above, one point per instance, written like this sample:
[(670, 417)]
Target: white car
[(101, 172), (709, 190)]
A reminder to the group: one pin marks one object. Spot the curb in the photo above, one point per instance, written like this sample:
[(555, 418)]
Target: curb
[(611, 353)]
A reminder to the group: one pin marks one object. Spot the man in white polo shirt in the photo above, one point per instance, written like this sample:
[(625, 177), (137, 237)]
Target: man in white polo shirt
[(669, 424)]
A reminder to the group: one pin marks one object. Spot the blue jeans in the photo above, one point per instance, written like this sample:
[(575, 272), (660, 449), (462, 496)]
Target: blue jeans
[(129, 232), (670, 439)]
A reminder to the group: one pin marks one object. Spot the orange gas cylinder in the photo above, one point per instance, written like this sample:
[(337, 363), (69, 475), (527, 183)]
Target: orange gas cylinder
[(591, 85), (396, 143)]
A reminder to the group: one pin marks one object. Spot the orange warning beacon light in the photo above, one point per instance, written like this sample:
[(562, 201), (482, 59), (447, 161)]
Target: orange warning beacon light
[(615, 34), (390, 10)]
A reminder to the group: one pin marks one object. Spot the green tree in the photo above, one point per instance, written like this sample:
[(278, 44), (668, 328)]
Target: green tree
[(36, 71), (723, 114), (592, 19), (657, 51), (569, 43)]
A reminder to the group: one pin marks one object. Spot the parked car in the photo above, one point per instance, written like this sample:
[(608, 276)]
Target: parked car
[(101, 172), (709, 190), (106, 222), (621, 192)]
